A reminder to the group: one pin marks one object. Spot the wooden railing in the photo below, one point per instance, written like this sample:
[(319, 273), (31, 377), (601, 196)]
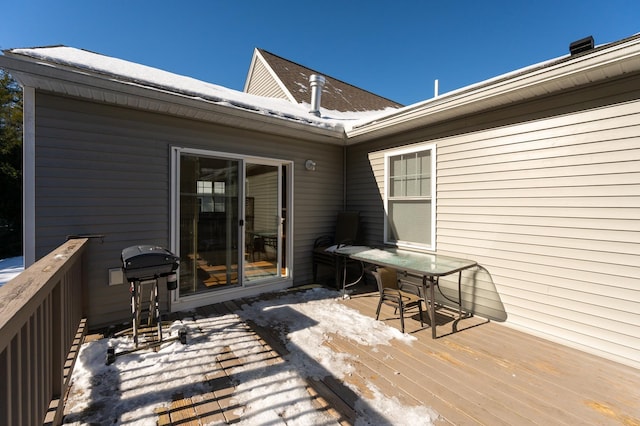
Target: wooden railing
[(41, 327)]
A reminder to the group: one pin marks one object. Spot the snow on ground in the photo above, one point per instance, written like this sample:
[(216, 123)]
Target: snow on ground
[(129, 391), (9, 268)]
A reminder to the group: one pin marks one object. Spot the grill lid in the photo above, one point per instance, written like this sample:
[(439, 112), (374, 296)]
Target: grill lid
[(148, 262)]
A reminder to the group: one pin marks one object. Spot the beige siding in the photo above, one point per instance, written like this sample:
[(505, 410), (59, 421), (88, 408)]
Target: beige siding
[(264, 190), (549, 207), (106, 170), (262, 83)]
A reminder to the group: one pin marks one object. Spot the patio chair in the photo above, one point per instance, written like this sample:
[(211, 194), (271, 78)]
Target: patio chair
[(347, 226), (258, 246), (392, 295)]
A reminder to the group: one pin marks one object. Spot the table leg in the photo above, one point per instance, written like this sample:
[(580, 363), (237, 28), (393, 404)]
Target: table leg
[(431, 305), (432, 295), (460, 294), (344, 278), (338, 260)]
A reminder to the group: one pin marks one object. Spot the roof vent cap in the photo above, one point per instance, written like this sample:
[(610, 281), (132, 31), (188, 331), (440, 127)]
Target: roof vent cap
[(581, 45)]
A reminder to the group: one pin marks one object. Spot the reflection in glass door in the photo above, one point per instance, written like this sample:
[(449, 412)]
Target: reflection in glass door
[(263, 221), (209, 216), (231, 220)]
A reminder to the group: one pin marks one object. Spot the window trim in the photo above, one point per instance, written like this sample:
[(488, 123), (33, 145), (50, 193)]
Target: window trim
[(402, 151)]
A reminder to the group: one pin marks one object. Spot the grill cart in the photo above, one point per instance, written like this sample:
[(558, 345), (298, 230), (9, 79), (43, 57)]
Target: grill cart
[(143, 265)]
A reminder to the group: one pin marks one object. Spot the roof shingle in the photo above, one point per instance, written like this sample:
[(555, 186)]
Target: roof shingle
[(336, 94)]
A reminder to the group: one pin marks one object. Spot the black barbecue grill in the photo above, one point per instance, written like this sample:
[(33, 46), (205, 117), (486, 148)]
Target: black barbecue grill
[(141, 263), (145, 264)]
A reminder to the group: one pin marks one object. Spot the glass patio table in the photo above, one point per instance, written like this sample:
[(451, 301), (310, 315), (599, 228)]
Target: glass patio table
[(427, 265)]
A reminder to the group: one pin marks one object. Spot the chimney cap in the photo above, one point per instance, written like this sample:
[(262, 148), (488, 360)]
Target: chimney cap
[(317, 79)]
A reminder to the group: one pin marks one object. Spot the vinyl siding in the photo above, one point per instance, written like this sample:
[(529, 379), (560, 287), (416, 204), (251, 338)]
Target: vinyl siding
[(106, 170), (548, 204), (554, 221), (263, 189), (262, 83)]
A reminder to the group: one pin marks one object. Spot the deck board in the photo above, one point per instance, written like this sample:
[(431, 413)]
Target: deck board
[(560, 378), (207, 408), (487, 373), (513, 372), (484, 373)]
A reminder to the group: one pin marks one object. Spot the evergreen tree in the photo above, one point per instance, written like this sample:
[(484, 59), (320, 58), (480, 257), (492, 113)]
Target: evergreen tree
[(10, 167)]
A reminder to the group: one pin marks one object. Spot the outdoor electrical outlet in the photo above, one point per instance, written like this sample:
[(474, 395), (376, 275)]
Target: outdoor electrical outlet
[(116, 277)]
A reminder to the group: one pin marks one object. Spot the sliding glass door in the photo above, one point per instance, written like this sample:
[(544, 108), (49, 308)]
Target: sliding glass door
[(231, 223), (263, 221), (209, 217)]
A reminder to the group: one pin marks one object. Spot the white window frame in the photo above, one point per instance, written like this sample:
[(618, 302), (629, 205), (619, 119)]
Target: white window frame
[(387, 157)]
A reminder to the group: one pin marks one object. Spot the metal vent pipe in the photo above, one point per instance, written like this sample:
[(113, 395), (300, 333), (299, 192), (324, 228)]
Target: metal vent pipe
[(317, 83)]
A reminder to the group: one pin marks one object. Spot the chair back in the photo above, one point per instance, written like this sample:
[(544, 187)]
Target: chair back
[(347, 227), (386, 278)]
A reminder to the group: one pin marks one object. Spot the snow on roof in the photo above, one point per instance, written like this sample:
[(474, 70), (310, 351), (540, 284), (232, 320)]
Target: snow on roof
[(549, 75), (130, 72)]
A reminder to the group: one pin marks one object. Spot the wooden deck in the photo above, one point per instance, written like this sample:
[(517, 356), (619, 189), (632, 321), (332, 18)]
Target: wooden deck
[(487, 373), (482, 374)]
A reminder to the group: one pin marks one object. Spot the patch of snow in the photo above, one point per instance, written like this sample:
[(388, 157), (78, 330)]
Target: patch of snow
[(10, 268), (267, 391)]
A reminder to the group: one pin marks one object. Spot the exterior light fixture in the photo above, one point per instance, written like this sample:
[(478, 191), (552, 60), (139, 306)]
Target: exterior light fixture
[(310, 165)]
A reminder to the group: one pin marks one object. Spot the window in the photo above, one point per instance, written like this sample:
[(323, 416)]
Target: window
[(410, 197)]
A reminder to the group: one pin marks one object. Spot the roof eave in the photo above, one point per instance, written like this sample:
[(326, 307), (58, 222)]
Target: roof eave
[(74, 82), (570, 72)]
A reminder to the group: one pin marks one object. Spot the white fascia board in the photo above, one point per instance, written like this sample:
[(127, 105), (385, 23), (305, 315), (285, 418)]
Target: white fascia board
[(609, 62), (250, 72)]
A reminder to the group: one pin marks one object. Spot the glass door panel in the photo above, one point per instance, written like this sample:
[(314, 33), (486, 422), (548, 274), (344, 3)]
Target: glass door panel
[(263, 221), (209, 219)]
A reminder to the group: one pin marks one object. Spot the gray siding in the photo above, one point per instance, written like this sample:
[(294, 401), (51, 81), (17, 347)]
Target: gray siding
[(547, 202), (105, 170)]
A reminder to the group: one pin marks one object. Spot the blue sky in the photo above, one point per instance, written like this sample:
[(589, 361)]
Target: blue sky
[(395, 49)]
